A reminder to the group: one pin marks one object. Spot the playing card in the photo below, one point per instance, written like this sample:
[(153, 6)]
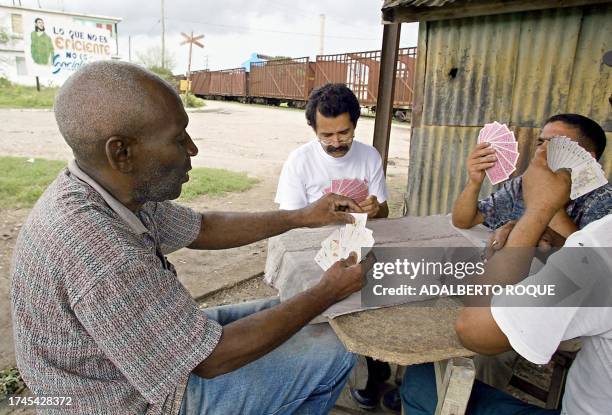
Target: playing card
[(506, 164), (511, 146), (586, 178), (504, 143), (586, 174), (503, 137), (352, 237), (496, 174), (322, 260)]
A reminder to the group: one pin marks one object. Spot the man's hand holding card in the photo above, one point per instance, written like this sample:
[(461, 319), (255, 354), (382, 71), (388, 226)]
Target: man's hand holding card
[(339, 245)]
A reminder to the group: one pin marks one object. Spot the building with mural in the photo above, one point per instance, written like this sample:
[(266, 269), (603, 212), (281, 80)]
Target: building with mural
[(51, 44)]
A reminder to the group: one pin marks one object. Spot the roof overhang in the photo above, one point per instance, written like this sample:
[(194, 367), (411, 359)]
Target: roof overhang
[(404, 11)]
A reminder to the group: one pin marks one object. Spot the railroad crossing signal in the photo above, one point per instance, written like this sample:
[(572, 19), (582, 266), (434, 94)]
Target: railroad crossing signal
[(192, 40)]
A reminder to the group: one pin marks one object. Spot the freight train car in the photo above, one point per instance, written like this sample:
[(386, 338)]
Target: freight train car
[(276, 81), (360, 71), (223, 84), (290, 81)]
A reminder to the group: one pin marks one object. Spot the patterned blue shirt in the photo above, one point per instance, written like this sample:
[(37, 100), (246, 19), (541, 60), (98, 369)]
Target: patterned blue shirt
[(507, 204)]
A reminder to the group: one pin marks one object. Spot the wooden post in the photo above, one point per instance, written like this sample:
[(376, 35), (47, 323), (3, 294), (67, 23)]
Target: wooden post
[(386, 89), (191, 40), (189, 66), (37, 84), (454, 380)]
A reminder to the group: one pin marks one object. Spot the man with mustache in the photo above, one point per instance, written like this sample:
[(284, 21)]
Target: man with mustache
[(332, 112)]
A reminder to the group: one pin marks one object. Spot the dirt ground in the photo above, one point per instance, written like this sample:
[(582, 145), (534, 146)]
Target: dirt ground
[(250, 138)]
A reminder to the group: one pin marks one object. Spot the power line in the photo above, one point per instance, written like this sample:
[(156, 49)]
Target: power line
[(250, 29)]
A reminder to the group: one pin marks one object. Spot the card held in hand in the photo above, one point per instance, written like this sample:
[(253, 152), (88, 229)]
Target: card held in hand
[(353, 237)]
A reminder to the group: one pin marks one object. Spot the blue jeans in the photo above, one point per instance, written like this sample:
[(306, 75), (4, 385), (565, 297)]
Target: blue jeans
[(420, 396), (304, 375)]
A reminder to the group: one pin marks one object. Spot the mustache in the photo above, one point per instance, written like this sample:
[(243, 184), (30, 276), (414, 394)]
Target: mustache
[(339, 149)]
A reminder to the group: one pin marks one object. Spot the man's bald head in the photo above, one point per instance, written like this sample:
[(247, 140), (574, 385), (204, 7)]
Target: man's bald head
[(110, 98)]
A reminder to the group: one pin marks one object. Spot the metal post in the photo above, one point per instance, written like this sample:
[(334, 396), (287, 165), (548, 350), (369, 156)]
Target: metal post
[(386, 90), (37, 84)]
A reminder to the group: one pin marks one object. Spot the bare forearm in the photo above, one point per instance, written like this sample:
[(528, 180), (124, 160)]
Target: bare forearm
[(563, 224), (248, 339), (228, 230), (465, 210)]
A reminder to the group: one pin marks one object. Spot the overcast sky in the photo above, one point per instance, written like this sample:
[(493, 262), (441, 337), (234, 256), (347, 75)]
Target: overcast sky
[(234, 29)]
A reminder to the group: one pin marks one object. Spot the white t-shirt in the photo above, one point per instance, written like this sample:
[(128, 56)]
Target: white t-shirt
[(535, 332), (309, 169)]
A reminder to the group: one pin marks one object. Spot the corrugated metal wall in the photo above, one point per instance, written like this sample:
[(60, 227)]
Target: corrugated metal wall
[(516, 68)]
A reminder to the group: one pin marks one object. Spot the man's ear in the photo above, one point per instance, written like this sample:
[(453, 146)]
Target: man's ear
[(120, 153)]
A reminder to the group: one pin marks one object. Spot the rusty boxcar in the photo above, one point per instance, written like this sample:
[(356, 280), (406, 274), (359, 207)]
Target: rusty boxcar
[(360, 71), (276, 81), (229, 83)]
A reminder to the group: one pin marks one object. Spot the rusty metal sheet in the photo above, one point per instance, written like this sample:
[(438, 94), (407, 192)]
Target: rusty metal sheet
[(470, 70), (290, 79), (437, 169), (591, 81), (417, 3), (544, 69), (360, 71)]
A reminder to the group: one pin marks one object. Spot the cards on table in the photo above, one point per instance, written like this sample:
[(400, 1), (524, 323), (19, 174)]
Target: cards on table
[(356, 189), (342, 241), (587, 174), (506, 150)]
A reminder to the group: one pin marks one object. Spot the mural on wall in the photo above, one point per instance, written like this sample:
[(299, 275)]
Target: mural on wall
[(58, 46), (41, 46)]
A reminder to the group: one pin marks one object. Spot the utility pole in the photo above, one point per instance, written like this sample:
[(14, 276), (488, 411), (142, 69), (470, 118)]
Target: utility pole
[(130, 48), (322, 35), (192, 40), (163, 46)]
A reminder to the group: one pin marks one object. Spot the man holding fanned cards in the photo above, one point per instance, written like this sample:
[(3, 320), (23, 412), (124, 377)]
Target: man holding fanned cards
[(574, 142), (335, 163), (491, 156)]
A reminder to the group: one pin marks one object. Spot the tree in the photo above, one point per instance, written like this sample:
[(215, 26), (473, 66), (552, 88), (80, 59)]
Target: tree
[(151, 59)]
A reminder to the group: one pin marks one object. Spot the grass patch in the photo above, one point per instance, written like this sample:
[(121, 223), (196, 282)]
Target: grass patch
[(10, 382), (22, 181), (206, 181), (20, 96), (191, 101)]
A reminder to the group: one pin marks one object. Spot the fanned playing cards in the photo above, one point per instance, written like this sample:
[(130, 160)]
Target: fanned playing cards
[(351, 238), (506, 150), (356, 189), (587, 173)]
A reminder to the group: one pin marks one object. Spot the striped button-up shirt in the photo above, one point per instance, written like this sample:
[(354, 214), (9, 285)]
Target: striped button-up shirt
[(98, 312)]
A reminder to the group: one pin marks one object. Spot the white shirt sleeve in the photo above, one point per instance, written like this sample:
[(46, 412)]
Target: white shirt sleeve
[(378, 184), (535, 332), (291, 191)]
